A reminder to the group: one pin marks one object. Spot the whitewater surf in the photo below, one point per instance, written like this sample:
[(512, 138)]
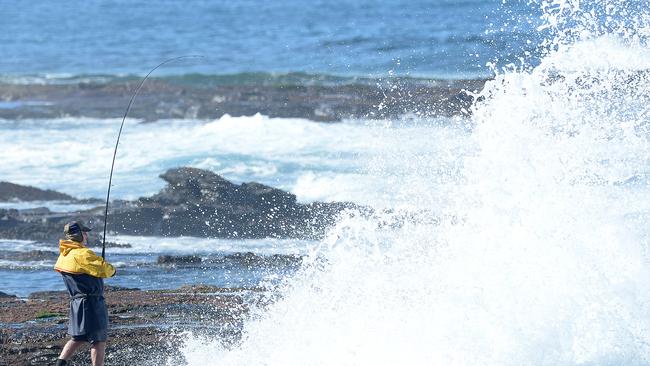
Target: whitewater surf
[(540, 256)]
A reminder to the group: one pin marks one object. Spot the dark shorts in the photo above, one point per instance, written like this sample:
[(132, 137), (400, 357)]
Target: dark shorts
[(91, 338)]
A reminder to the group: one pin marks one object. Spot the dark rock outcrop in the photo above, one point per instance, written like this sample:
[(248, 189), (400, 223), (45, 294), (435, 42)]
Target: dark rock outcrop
[(16, 192), (375, 99), (201, 203), (251, 260), (15, 225), (178, 259), (32, 255), (6, 295), (196, 203), (11, 191)]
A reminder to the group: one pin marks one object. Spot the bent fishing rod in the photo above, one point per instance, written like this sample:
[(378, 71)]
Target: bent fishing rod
[(117, 143)]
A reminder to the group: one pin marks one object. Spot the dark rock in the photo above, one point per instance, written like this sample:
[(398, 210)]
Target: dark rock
[(110, 244), (201, 288), (195, 202), (11, 191), (201, 203), (249, 259), (36, 211), (9, 217), (48, 295), (32, 255), (6, 295), (178, 259), (113, 288), (16, 192), (359, 99), (143, 324)]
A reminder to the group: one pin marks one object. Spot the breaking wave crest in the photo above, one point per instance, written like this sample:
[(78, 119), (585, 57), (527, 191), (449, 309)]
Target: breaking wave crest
[(536, 259)]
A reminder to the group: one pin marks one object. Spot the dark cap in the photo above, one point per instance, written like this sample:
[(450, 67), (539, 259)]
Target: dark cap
[(73, 230)]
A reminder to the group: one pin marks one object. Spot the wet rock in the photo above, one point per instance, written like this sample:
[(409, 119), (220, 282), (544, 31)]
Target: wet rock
[(113, 288), (201, 289), (16, 192), (249, 259), (363, 99), (32, 255), (110, 244), (11, 191), (200, 203), (36, 211), (178, 259), (194, 202), (5, 295), (9, 217), (143, 324), (48, 295)]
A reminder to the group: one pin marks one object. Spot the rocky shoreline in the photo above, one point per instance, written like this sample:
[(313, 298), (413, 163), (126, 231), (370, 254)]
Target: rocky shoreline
[(146, 327), (195, 203), (162, 99), (10, 191)]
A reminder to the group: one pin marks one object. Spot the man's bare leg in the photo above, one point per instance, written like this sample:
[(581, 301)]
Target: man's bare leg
[(70, 348), (97, 351)]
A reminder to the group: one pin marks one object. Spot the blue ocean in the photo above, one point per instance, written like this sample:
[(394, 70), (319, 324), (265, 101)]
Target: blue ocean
[(434, 39), (538, 250)]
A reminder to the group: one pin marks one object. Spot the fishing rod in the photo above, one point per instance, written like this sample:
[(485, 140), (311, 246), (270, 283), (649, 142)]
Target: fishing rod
[(128, 108)]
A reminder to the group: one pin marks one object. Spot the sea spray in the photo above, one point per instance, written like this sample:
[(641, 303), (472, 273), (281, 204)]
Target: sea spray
[(535, 260)]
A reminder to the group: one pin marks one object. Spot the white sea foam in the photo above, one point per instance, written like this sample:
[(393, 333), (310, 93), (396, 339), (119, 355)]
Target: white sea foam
[(541, 256), (20, 245), (56, 206), (27, 265), (73, 155)]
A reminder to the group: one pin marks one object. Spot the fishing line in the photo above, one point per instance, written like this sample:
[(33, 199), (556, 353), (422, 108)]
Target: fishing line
[(128, 108)]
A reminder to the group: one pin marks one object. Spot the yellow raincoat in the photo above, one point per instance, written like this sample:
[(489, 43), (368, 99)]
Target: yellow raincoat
[(75, 258)]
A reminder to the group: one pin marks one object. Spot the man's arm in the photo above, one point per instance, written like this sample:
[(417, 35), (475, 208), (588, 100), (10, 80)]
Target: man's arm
[(95, 265)]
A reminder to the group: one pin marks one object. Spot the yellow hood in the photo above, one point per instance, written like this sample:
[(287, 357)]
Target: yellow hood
[(75, 258), (65, 246)]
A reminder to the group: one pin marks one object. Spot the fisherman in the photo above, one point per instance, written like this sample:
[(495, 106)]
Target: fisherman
[(83, 272)]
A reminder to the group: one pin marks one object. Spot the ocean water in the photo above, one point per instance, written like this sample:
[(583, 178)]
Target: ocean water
[(138, 267), (540, 251), (440, 38)]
